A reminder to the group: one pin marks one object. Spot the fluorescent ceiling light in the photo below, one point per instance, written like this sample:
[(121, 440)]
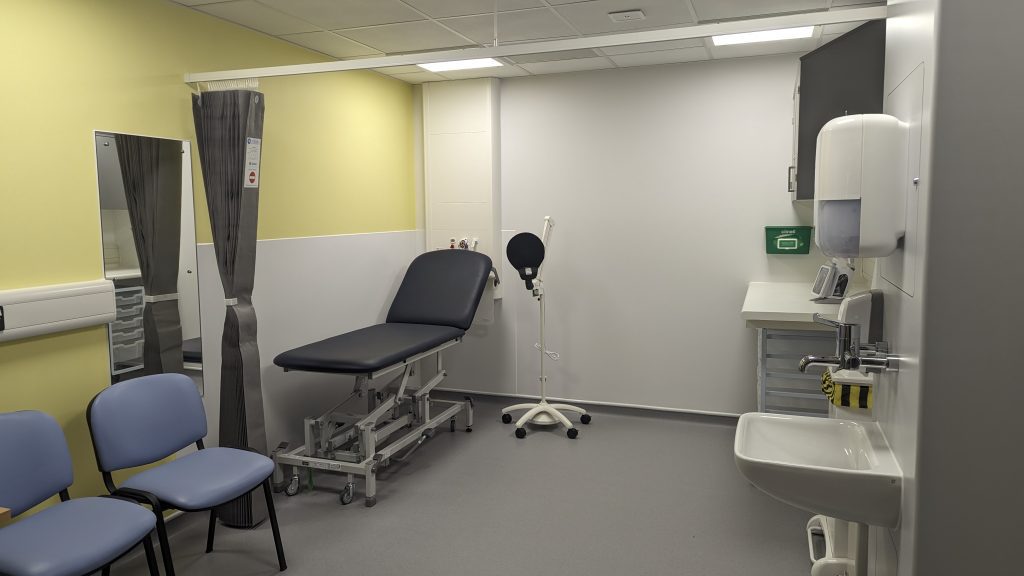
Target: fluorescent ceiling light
[(460, 65), (764, 36)]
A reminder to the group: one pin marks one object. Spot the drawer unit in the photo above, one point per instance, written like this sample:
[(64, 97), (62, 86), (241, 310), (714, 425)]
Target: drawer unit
[(127, 336), (782, 388)]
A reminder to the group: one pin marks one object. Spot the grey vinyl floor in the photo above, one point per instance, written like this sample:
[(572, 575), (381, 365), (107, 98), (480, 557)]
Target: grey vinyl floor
[(637, 493)]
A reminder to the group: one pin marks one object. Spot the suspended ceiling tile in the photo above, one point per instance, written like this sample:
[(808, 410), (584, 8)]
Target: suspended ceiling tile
[(449, 8), (726, 9), (654, 46), (577, 65), (519, 26), (399, 70), (839, 28), (419, 77), (592, 17), (764, 48), (552, 56), (334, 14), (508, 71), (331, 44), (252, 14), (661, 57), (406, 37)]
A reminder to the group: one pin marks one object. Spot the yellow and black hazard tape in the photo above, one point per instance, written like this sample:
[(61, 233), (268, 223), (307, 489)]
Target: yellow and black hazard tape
[(846, 395)]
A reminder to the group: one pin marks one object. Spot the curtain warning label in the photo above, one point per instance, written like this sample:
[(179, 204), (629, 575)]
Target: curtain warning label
[(252, 162)]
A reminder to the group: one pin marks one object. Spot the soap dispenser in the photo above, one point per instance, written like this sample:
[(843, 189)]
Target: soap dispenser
[(859, 192)]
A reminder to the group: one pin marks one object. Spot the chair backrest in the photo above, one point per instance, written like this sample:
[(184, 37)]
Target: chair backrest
[(145, 419), (34, 460), (443, 288)]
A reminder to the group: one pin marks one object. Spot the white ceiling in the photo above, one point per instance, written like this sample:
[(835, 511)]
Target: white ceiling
[(360, 28)]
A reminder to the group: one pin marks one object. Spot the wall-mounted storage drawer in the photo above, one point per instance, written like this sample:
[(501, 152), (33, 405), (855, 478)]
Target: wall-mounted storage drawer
[(127, 336), (782, 388)]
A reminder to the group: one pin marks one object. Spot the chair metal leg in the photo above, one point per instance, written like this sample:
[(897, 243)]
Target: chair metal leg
[(273, 524), (165, 545), (147, 543), (213, 528)]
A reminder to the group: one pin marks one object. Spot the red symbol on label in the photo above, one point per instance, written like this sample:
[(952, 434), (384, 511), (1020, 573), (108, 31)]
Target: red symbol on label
[(252, 177)]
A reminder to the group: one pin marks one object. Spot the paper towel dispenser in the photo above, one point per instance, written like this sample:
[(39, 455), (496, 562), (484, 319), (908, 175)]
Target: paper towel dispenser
[(860, 199), (28, 312)]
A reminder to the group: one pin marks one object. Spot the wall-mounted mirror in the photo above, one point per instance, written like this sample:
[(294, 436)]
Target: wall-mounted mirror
[(149, 252)]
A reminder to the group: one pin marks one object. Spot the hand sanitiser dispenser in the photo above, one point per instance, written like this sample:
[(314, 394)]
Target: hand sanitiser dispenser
[(859, 188)]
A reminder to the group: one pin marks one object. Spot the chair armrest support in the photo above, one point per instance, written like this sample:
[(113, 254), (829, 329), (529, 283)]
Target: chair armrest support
[(137, 496)]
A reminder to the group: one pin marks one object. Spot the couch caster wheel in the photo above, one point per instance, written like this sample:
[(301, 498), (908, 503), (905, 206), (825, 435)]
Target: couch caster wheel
[(469, 428), (371, 501), (506, 418), (520, 432), (585, 418), (572, 433), (347, 494), (293, 486)]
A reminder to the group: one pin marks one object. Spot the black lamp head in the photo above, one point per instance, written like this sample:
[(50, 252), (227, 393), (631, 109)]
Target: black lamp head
[(525, 252)]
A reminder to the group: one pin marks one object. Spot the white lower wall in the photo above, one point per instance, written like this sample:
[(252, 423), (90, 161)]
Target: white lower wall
[(660, 181), (307, 289)]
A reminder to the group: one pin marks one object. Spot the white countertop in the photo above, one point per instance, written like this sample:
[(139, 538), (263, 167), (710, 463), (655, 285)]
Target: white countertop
[(122, 273), (774, 302)]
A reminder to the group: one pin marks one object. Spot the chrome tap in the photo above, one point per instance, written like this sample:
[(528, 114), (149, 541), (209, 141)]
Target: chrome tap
[(850, 353)]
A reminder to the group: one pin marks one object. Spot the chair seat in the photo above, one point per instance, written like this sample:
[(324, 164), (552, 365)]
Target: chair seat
[(74, 537), (205, 478), (367, 349)]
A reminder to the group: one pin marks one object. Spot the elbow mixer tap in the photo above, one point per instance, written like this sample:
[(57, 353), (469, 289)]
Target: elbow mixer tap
[(859, 315)]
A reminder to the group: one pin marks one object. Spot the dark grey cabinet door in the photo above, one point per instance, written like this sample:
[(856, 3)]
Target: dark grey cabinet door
[(845, 76)]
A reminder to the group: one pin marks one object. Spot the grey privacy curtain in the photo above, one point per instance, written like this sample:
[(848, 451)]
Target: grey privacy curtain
[(151, 171), (229, 131)]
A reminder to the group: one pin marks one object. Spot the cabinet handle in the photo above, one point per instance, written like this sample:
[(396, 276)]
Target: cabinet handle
[(791, 179)]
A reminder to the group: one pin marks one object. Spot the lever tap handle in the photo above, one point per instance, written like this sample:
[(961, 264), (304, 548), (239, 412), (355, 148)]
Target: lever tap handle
[(822, 320)]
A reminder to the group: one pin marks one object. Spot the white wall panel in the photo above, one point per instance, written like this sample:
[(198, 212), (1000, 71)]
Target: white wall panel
[(660, 181), (306, 289)]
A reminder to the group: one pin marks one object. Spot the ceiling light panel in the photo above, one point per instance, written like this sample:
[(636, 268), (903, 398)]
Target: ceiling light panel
[(461, 65), (764, 36)]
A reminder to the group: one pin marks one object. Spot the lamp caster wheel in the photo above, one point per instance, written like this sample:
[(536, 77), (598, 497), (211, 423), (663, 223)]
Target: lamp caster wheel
[(293, 486), (520, 432), (347, 494), (506, 418), (371, 501), (572, 433), (585, 418)]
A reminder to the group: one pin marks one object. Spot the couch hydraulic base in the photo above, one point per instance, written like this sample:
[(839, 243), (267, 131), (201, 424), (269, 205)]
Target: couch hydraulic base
[(361, 444)]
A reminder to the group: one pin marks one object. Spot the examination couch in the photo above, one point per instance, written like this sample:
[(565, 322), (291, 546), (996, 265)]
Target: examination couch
[(432, 310)]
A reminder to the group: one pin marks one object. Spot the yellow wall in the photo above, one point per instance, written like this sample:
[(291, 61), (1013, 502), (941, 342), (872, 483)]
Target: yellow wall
[(337, 159)]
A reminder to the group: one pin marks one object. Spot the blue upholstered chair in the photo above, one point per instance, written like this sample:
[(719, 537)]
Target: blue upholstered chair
[(79, 536), (143, 420)]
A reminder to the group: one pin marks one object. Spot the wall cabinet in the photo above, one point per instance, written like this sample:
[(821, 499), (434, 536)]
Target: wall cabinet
[(845, 76)]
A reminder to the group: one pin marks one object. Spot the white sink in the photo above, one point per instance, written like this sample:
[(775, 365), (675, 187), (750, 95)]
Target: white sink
[(839, 468)]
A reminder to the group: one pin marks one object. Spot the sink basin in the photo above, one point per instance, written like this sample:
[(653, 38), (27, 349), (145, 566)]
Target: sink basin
[(839, 468)]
